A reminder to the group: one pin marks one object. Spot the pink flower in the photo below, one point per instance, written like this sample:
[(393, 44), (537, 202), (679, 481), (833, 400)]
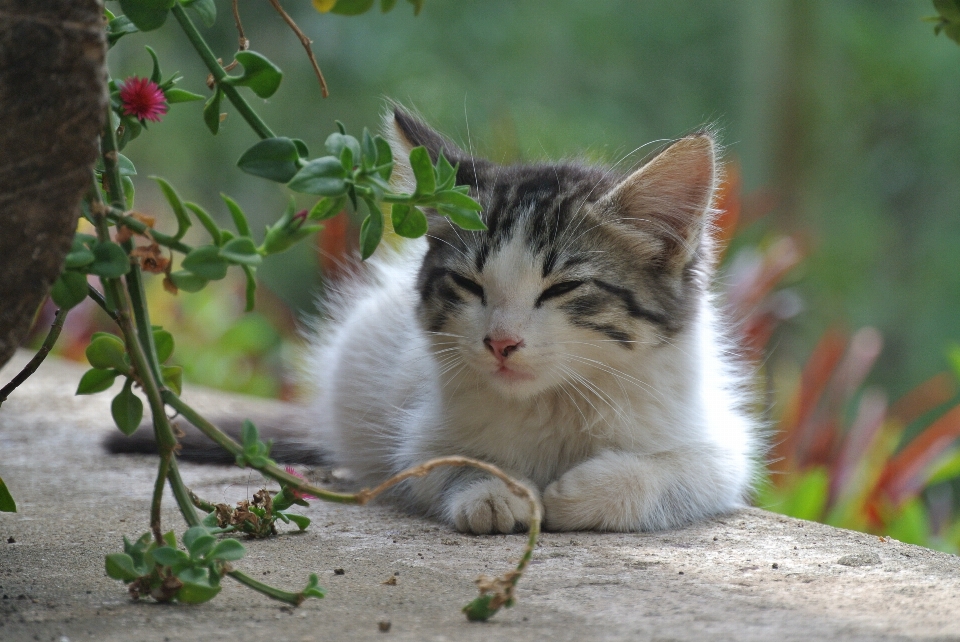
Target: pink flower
[(293, 491), (142, 98)]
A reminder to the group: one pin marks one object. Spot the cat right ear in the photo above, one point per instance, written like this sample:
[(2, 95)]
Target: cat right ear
[(404, 132)]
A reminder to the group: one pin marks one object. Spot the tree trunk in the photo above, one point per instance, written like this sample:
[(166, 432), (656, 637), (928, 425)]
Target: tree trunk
[(52, 104)]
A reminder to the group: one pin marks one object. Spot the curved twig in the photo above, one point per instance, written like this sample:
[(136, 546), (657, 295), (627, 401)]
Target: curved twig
[(306, 42), (38, 358)]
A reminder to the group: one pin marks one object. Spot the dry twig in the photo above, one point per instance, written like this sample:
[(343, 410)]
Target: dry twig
[(306, 42)]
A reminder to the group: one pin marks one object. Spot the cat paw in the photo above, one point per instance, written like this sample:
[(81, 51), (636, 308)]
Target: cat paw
[(573, 503), (488, 506)]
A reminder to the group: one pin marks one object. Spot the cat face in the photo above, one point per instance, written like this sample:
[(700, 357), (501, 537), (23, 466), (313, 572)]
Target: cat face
[(580, 273)]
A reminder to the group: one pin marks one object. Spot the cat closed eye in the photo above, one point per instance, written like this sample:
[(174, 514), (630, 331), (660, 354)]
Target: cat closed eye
[(468, 285), (558, 289)]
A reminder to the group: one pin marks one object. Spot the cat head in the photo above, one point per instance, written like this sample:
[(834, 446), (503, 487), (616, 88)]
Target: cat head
[(581, 272)]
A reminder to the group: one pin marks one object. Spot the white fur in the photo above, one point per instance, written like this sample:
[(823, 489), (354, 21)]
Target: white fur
[(640, 439)]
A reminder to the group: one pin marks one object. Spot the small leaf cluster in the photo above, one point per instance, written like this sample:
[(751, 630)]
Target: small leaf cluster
[(166, 573), (356, 173), (257, 518), (947, 19), (256, 452), (108, 357), (210, 262), (87, 255), (147, 15)]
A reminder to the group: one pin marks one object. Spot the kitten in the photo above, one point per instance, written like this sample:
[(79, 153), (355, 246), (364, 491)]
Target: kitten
[(574, 344)]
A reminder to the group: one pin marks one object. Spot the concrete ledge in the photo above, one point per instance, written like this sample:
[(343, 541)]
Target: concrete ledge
[(753, 575)]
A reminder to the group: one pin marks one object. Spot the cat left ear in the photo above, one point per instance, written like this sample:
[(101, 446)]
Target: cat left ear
[(669, 198), (404, 132)]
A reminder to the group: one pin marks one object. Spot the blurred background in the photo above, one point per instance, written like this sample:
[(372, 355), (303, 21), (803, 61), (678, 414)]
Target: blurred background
[(840, 121)]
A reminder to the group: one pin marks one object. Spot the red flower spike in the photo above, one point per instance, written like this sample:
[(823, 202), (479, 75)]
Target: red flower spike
[(142, 98)]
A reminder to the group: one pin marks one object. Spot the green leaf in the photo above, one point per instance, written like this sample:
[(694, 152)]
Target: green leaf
[(948, 9), (417, 6), (302, 521), (120, 567), (96, 380), (422, 171), (301, 148), (241, 251), (191, 593), (259, 74), (369, 149), (408, 221), (164, 343), (211, 111), (118, 28), (239, 218), (384, 158), (168, 556), (351, 7), (206, 221), (188, 281), (387, 5), (371, 230), (227, 550), (249, 434), (129, 191), (69, 289), (7, 505), (273, 158), (336, 142), (479, 609), (147, 15), (107, 351), (131, 128), (446, 173), (206, 10), (313, 588), (155, 75), (172, 378), (183, 220), (127, 409), (206, 263), (466, 219), (456, 199), (110, 261), (327, 207), (192, 534), (201, 545), (125, 165), (323, 176), (80, 254), (174, 95)]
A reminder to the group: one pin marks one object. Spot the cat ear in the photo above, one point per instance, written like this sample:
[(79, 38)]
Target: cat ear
[(404, 132), (669, 198)]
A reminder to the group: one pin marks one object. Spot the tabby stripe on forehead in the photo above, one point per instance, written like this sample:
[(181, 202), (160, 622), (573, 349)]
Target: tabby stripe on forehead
[(634, 309)]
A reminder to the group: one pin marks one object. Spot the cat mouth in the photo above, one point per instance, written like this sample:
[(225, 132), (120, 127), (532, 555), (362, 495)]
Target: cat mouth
[(503, 372)]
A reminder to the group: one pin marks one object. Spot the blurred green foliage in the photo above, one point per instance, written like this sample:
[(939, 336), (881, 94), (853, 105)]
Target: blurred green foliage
[(842, 115)]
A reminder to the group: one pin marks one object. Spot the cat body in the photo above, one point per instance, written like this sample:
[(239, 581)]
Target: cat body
[(574, 344)]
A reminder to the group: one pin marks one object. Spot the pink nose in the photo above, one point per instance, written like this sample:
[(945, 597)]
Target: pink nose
[(501, 348)]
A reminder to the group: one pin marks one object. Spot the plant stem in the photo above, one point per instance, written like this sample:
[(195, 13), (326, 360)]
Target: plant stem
[(38, 358), (231, 446), (284, 596), (94, 294), (144, 369), (118, 217), (183, 495), (210, 60)]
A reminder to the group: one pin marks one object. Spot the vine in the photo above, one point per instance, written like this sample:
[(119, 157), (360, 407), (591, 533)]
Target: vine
[(354, 174)]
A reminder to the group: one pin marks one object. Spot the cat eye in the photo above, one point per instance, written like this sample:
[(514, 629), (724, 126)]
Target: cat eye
[(557, 290), (468, 285)]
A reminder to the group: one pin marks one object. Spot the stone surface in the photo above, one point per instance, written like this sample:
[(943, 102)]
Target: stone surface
[(753, 575)]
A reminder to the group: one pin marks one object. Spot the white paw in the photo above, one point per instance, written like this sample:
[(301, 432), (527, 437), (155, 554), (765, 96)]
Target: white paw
[(488, 506), (578, 502)]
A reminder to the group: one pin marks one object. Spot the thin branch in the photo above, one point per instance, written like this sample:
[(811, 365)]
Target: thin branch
[(38, 358), (244, 42), (306, 42), (94, 294)]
